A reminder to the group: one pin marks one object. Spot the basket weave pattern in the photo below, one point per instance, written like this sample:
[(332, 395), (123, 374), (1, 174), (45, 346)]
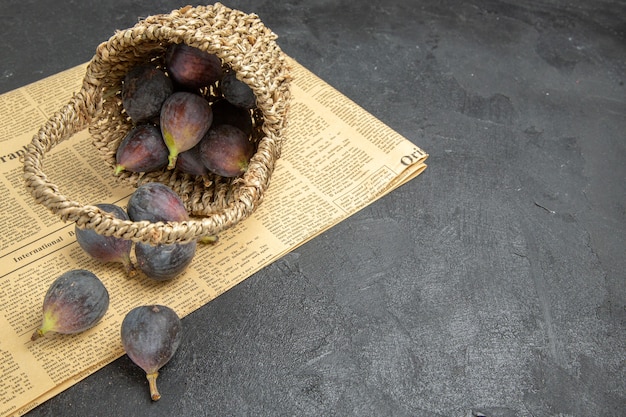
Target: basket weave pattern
[(244, 45)]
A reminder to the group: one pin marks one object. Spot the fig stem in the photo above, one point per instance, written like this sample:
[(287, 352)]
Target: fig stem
[(154, 392), (130, 268), (209, 239), (173, 156), (47, 323), (37, 334), (118, 169)]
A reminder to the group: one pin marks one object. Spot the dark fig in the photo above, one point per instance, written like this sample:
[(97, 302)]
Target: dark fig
[(226, 151), (74, 302), (151, 335), (141, 150), (192, 68), (189, 162), (237, 92), (225, 113), (164, 262), (185, 118), (156, 202), (144, 90), (107, 248)]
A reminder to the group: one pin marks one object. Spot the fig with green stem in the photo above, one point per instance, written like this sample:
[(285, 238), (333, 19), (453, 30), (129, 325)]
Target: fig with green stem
[(226, 151), (141, 150), (185, 118), (74, 302)]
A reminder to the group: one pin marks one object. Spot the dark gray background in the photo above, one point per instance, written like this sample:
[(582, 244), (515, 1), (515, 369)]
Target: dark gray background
[(493, 284)]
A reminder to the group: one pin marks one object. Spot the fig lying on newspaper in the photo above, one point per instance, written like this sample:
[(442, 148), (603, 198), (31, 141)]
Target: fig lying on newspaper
[(164, 262), (156, 202), (75, 302)]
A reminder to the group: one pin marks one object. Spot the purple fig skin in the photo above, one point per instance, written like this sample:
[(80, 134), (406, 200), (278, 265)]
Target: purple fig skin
[(151, 335), (185, 118), (141, 150), (192, 68), (225, 113), (144, 90), (156, 202), (74, 302), (164, 262), (237, 92), (189, 162), (226, 151), (107, 248)]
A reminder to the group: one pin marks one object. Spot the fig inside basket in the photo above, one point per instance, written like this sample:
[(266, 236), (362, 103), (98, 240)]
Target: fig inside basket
[(246, 47)]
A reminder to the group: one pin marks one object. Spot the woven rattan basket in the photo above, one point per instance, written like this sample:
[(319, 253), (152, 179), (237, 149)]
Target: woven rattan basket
[(245, 46)]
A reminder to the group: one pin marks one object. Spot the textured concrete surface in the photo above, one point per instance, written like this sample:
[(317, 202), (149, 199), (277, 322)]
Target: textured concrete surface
[(491, 285)]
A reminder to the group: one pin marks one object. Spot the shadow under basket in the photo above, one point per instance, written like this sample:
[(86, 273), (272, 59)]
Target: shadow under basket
[(244, 46)]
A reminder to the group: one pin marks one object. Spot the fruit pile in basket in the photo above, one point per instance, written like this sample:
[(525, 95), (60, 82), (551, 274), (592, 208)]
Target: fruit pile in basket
[(246, 90), (193, 115)]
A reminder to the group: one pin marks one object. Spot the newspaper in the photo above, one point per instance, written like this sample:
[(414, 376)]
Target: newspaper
[(336, 159)]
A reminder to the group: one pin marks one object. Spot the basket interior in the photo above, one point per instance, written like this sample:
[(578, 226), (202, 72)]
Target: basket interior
[(251, 53)]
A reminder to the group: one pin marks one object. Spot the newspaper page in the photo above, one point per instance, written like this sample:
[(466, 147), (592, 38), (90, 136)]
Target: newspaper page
[(336, 159)]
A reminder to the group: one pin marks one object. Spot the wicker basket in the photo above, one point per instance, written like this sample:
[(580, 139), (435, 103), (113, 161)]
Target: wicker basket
[(245, 46)]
